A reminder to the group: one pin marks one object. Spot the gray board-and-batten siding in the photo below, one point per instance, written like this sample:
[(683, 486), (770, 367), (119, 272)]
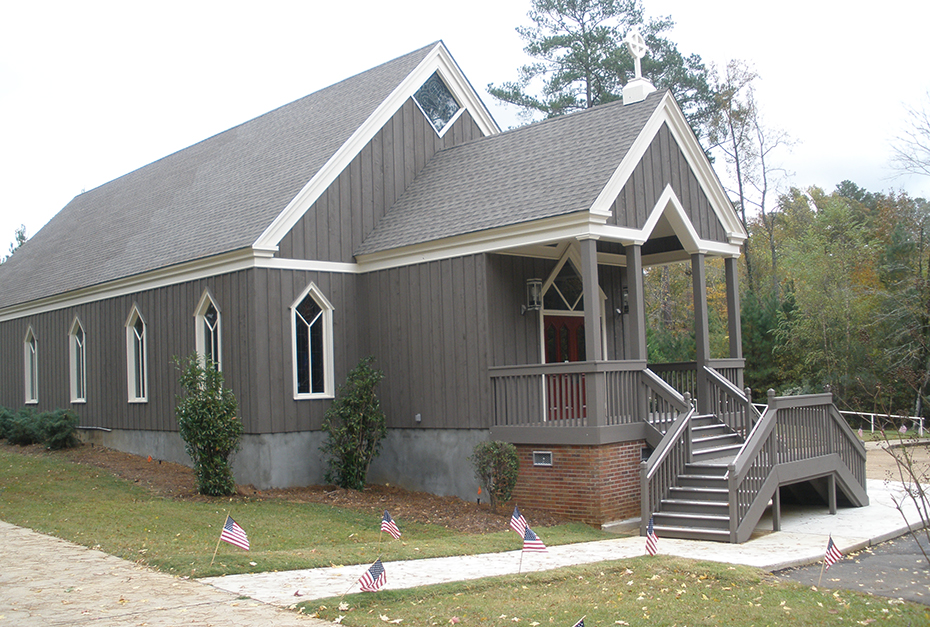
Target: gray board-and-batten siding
[(664, 164), (338, 222)]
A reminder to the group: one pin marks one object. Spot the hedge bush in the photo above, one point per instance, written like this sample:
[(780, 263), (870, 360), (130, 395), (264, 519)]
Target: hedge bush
[(497, 466), (208, 423), (55, 429), (354, 425)]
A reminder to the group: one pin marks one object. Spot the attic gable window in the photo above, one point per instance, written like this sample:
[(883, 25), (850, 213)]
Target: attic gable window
[(437, 102)]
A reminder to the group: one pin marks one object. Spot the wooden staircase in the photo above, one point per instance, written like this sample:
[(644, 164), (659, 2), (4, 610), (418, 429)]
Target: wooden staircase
[(697, 504)]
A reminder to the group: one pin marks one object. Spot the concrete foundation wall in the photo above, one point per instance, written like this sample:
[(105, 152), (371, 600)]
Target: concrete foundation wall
[(429, 460), (434, 460)]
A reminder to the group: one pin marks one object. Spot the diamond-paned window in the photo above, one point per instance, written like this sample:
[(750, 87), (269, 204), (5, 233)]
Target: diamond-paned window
[(437, 102)]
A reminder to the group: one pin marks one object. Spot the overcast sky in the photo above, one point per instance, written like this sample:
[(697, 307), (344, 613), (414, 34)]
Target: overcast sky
[(92, 90)]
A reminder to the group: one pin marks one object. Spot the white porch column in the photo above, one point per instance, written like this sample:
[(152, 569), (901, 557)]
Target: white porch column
[(595, 383), (701, 329)]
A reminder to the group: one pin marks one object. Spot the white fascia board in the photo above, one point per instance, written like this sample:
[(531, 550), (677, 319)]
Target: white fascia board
[(200, 269), (706, 176), (668, 112), (572, 225), (309, 265), (603, 204), (438, 59)]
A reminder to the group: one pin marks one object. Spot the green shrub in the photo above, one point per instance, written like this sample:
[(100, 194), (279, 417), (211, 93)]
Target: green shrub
[(496, 468), (354, 425), (208, 424), (6, 418), (23, 428), (57, 429)]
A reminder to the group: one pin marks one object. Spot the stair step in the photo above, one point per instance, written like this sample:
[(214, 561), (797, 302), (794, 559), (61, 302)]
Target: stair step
[(706, 469), (699, 493), (702, 481), (718, 451), (683, 506), (715, 438), (692, 533), (685, 519)]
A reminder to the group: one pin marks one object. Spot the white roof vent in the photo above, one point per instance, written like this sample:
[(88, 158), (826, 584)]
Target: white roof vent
[(637, 89)]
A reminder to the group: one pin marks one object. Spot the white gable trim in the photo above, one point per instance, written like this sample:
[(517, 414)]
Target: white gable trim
[(669, 205), (437, 60), (669, 113)]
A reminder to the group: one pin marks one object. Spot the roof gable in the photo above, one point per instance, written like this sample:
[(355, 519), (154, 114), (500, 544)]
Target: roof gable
[(503, 190), (217, 196), (543, 170)]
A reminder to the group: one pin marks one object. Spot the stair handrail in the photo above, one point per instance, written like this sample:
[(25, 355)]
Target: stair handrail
[(748, 414), (673, 399), (750, 459), (658, 473)]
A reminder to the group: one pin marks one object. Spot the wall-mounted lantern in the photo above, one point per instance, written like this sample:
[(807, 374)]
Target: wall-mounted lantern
[(624, 307), (533, 296)]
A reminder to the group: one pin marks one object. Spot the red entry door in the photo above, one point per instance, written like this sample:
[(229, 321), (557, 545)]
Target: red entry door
[(565, 393)]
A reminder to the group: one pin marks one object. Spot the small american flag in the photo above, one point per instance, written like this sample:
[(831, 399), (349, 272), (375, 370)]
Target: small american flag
[(833, 554), (580, 623), (518, 522), (532, 543), (652, 540), (234, 534), (903, 429), (860, 433), (374, 578), (388, 524)]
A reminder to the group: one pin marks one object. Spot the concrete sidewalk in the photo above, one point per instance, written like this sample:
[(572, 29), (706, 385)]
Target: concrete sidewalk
[(45, 582), (802, 540)]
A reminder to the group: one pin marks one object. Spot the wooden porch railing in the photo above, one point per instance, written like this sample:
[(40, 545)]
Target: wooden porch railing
[(553, 395), (806, 437)]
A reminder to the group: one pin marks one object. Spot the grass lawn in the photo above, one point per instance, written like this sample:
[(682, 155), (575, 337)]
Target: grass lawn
[(91, 507), (640, 591)]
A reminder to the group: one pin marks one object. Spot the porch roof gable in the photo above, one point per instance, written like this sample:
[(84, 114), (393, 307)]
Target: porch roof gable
[(548, 169)]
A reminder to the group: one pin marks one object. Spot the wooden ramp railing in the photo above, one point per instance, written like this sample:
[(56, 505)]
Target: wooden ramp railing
[(797, 438)]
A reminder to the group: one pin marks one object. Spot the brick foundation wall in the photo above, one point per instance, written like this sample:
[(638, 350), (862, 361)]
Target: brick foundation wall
[(590, 484)]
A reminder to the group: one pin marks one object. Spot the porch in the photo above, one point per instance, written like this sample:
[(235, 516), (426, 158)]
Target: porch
[(708, 474)]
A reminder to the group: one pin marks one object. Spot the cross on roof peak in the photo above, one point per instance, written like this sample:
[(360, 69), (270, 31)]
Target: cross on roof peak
[(637, 46)]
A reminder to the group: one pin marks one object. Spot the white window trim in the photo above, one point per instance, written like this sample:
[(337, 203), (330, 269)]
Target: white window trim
[(328, 372), (31, 367), (455, 116), (200, 338), (133, 396), (78, 352)]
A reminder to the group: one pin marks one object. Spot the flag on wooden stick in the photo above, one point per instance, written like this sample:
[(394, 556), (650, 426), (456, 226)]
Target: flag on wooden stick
[(388, 525), (234, 534), (833, 554), (518, 522), (652, 540), (374, 578), (532, 543), (580, 622)]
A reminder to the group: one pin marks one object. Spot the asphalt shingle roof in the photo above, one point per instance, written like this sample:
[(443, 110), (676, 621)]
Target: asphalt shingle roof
[(214, 197), (543, 170)]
